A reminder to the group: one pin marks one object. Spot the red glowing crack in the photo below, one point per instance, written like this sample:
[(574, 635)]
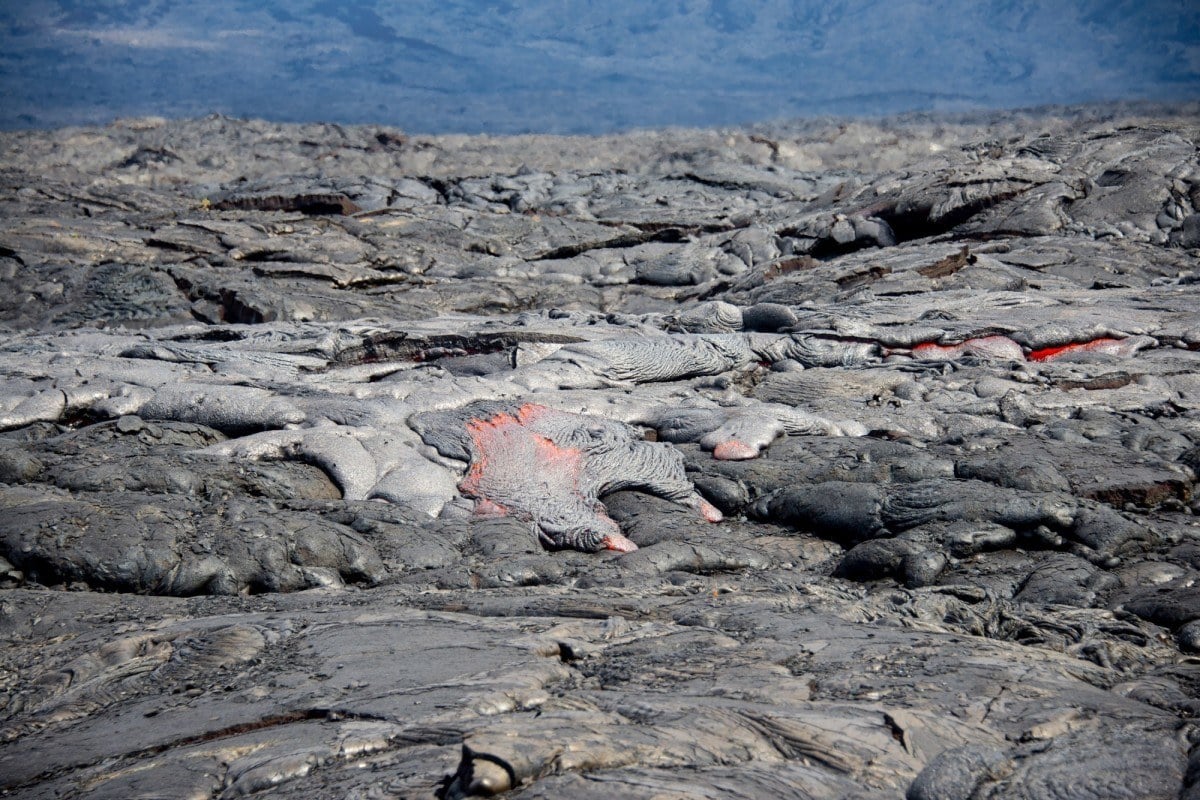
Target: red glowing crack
[(1004, 348), (997, 347), (549, 467), (1105, 345)]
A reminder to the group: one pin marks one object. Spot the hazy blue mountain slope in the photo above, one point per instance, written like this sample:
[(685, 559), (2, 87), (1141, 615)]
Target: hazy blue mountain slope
[(431, 65)]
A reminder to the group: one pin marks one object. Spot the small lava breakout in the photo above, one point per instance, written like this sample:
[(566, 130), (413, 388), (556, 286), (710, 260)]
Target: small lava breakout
[(1002, 347), (551, 467)]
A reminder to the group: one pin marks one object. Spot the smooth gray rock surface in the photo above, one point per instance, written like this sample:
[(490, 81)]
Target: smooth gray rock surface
[(886, 433)]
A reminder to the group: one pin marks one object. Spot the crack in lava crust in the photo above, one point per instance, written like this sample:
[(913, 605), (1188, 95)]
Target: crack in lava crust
[(550, 467)]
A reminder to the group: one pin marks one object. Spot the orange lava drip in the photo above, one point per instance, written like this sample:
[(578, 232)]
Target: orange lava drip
[(1051, 353), (619, 542), (734, 450), (710, 512)]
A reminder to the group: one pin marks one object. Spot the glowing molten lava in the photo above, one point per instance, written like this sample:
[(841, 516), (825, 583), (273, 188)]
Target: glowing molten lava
[(549, 467)]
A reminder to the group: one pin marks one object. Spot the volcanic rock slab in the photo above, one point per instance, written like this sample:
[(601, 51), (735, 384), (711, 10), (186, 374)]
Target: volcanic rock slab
[(814, 460)]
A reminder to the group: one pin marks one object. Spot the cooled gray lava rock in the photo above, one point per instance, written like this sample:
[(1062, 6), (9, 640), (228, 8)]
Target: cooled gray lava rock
[(299, 456)]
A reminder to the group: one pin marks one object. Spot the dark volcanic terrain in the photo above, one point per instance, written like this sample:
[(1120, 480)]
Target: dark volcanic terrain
[(820, 460)]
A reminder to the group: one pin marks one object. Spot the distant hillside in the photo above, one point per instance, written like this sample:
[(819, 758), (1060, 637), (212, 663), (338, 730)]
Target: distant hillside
[(583, 66)]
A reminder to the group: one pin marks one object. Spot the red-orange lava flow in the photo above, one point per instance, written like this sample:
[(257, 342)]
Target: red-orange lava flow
[(504, 438), (933, 348), (1095, 345), (996, 346), (1002, 347), (517, 468)]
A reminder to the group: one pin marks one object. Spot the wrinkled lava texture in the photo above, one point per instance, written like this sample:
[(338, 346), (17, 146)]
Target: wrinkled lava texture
[(830, 459), (551, 467)]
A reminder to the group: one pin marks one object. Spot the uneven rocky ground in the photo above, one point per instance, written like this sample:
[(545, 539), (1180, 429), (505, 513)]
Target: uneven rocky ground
[(826, 460)]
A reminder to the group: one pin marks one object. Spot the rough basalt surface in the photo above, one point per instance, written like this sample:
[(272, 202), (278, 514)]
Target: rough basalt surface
[(814, 460)]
